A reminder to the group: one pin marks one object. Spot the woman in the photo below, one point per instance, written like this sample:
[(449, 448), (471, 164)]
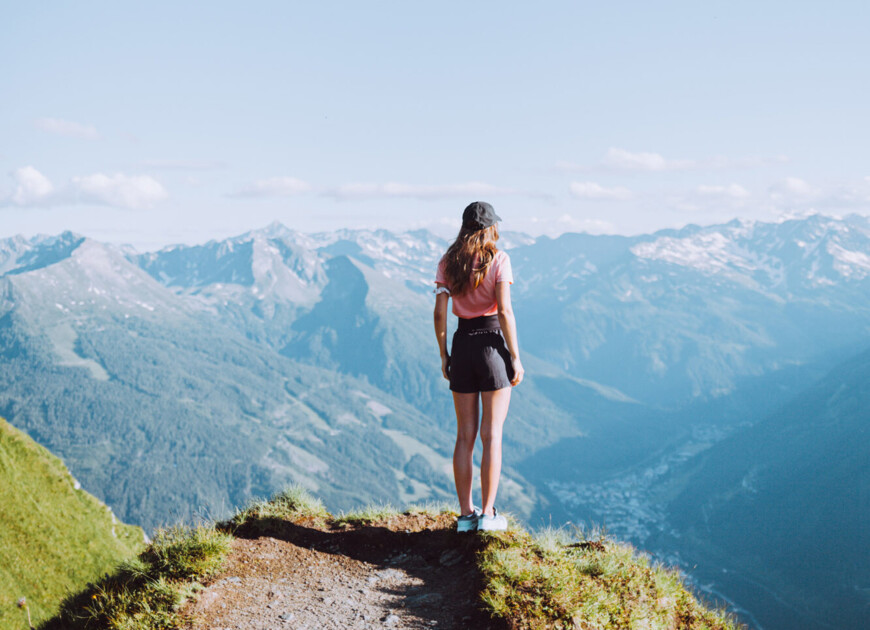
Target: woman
[(485, 361)]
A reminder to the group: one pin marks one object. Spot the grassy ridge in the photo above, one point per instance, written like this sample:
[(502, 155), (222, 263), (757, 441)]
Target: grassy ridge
[(53, 538), (545, 580)]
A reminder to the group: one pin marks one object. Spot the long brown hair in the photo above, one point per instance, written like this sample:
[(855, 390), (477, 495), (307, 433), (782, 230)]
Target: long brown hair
[(459, 270)]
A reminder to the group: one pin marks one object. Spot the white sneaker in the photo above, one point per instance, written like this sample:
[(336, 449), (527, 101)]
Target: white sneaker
[(494, 523), (468, 523)]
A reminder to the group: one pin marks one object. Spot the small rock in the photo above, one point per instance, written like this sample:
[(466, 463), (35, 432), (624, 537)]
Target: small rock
[(289, 616), (391, 620), (327, 600), (234, 580)]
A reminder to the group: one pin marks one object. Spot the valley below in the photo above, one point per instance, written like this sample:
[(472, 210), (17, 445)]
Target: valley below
[(699, 392)]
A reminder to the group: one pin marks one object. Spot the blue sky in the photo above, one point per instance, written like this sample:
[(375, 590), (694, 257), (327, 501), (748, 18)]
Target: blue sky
[(162, 122)]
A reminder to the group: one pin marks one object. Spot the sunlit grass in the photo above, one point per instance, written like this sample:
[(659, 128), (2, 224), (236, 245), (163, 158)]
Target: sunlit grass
[(556, 580), (374, 513), (146, 592), (294, 503)]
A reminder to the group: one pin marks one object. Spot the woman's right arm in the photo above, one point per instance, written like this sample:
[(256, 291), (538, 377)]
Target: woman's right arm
[(440, 317), (509, 327)]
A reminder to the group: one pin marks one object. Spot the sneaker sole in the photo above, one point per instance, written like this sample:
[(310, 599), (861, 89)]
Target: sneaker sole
[(466, 526), (499, 526)]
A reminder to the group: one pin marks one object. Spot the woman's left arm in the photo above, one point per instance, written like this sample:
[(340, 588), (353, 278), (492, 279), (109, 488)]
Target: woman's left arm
[(508, 324), (440, 317)]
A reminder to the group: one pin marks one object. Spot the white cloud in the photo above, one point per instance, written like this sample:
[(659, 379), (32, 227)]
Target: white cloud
[(792, 188), (628, 160), (67, 128), (591, 190), (273, 187), (31, 187), (397, 190), (125, 191), (733, 191)]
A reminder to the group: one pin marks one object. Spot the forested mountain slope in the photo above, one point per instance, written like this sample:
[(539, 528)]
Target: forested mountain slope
[(786, 503)]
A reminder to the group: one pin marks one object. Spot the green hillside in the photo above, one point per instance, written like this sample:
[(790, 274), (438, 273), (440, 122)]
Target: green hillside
[(54, 538)]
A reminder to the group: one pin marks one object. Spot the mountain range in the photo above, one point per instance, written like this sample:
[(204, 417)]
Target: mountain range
[(193, 377)]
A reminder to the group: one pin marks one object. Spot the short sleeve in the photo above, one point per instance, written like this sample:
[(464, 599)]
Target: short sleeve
[(504, 272), (439, 273)]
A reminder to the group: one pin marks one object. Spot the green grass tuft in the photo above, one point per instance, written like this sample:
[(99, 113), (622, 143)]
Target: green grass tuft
[(370, 514), (181, 554), (145, 593), (552, 580), (294, 503)]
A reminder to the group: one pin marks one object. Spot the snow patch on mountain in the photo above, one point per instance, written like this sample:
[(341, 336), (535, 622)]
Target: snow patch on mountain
[(850, 264), (708, 252)]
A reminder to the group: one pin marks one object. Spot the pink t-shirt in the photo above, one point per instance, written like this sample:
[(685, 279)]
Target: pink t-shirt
[(480, 301)]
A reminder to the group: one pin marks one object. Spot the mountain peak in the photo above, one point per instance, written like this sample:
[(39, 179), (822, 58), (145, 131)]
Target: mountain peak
[(41, 251), (275, 229)]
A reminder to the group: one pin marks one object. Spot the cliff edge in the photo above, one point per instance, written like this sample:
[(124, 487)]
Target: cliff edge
[(288, 563)]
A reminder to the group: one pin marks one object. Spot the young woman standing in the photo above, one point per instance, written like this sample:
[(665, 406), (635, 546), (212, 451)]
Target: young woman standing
[(485, 360)]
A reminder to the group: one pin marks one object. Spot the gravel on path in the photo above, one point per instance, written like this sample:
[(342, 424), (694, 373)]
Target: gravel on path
[(409, 572)]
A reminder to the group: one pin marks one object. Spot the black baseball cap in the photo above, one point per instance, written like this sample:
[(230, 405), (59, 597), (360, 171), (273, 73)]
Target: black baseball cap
[(479, 215)]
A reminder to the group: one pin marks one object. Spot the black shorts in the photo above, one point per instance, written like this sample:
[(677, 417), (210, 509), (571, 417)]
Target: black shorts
[(479, 359)]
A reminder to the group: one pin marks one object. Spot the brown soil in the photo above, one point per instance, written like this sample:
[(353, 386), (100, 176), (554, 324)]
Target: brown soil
[(406, 572)]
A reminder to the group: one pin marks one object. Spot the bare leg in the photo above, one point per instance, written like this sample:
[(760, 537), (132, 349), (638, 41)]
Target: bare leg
[(467, 419), (495, 408)]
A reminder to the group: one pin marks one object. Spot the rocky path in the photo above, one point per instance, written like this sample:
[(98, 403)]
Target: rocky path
[(408, 572)]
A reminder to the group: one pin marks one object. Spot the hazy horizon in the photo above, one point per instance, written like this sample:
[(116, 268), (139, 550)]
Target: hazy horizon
[(443, 232), (168, 123)]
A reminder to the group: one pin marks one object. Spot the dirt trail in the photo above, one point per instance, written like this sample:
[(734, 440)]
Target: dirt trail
[(408, 572)]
